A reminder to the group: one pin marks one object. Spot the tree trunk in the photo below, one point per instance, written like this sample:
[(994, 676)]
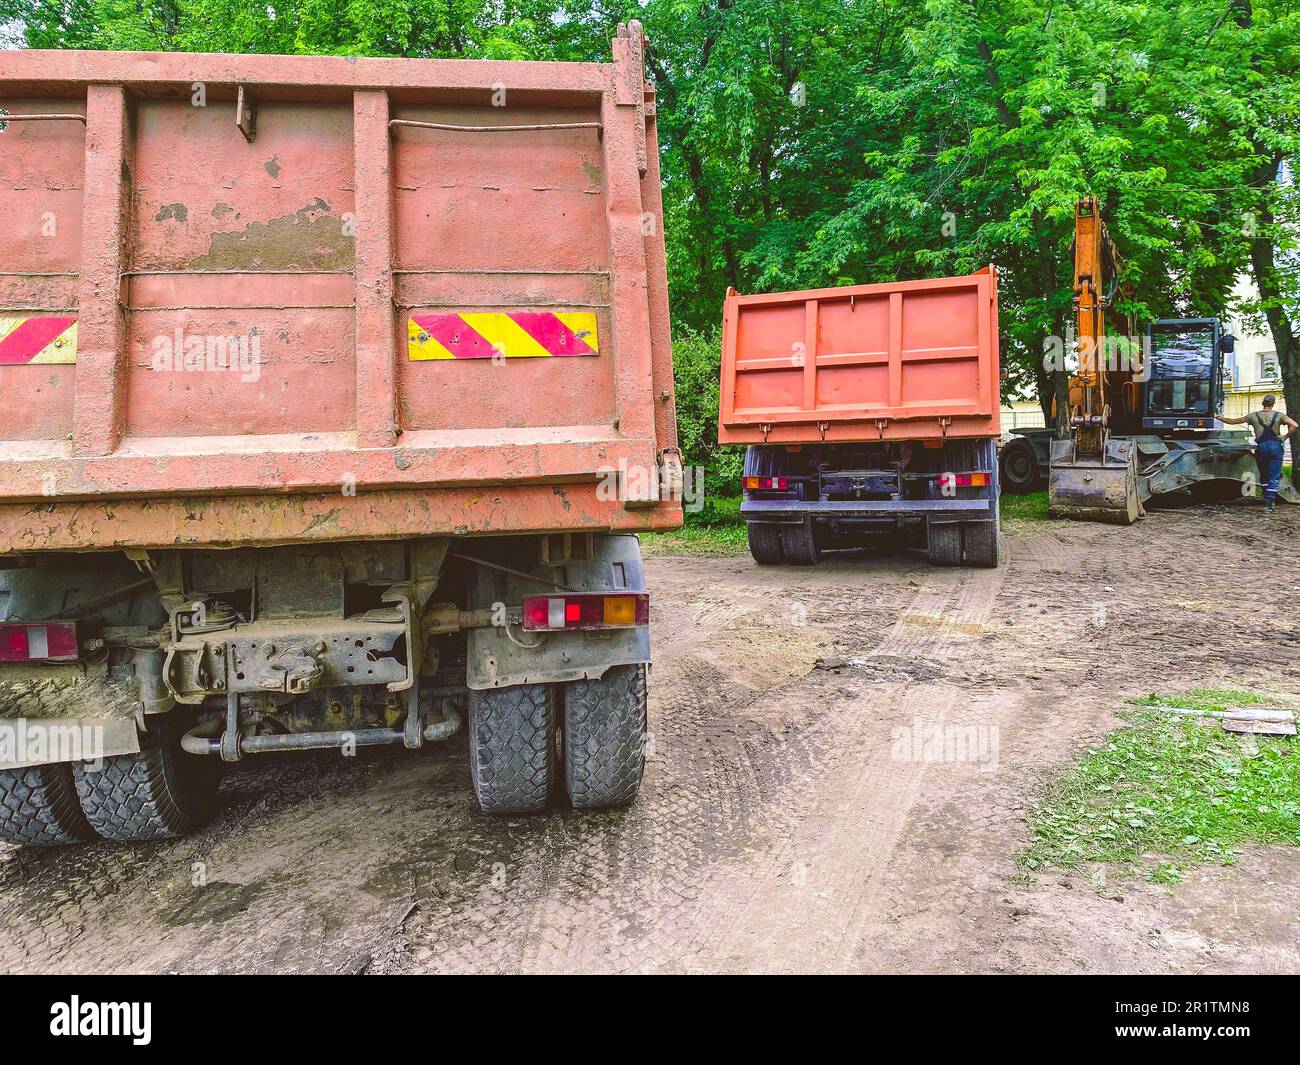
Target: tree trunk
[(1281, 326)]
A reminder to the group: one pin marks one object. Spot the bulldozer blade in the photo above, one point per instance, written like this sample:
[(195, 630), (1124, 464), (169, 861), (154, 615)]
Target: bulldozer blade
[(1094, 487), (1286, 492)]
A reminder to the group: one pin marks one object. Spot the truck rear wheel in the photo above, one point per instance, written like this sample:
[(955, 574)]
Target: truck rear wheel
[(38, 806), (1019, 467), (798, 545), (512, 747), (982, 543), (161, 792), (945, 544), (765, 544), (604, 738)]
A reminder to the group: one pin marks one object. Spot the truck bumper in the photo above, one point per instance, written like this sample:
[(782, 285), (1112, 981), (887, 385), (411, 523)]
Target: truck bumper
[(794, 511)]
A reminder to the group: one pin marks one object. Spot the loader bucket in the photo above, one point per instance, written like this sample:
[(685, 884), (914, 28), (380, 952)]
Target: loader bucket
[(1095, 487)]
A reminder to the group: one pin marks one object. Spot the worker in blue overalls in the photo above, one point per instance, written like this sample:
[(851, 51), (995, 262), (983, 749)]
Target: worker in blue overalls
[(1267, 425)]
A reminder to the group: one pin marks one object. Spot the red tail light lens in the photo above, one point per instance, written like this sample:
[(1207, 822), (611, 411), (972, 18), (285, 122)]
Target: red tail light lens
[(45, 641), (585, 611), (760, 483), (965, 480)]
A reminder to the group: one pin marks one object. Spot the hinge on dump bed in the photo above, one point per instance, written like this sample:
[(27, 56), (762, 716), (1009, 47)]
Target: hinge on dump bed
[(245, 114), (629, 82)]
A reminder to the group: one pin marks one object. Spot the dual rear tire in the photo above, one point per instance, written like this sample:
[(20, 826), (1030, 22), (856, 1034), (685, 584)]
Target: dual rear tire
[(976, 543), (39, 807), (161, 792), (772, 545), (157, 793), (601, 724)]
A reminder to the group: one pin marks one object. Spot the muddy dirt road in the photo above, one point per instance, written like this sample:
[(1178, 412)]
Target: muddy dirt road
[(785, 823)]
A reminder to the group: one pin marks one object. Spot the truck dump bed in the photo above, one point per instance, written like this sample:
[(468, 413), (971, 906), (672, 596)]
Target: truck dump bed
[(268, 299), (911, 360)]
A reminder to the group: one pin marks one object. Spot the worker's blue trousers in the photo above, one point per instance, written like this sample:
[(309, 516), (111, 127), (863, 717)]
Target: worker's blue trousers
[(1268, 456)]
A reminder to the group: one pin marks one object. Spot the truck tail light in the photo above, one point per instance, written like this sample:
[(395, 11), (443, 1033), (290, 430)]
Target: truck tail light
[(586, 611), (778, 483), (46, 641), (966, 480)]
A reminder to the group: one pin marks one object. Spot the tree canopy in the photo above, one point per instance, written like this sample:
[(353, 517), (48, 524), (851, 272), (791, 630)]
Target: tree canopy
[(822, 142)]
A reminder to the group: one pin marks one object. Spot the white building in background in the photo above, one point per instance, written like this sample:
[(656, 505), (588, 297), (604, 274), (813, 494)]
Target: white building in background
[(1252, 371)]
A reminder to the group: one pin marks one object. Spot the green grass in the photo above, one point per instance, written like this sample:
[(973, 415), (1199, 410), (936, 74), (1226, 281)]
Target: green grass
[(1205, 699), (1018, 511), (1166, 792), (716, 530)]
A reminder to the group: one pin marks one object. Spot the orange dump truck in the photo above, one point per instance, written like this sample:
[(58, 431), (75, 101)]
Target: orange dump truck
[(335, 392), (867, 409)]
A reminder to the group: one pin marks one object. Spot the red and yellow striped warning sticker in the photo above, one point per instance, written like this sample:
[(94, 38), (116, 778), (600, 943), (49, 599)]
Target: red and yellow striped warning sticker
[(39, 341), (506, 334)]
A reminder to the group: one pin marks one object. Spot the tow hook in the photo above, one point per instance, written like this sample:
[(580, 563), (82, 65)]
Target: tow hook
[(295, 671)]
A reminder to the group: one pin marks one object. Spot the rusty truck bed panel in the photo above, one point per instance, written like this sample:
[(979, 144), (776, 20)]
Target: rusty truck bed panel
[(412, 291), (909, 360)]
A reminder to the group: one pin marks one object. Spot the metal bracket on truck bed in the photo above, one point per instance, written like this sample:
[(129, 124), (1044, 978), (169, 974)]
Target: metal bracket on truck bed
[(290, 657)]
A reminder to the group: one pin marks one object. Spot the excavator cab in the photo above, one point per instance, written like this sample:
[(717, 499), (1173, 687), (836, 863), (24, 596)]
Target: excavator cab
[(1140, 429), (1184, 374)]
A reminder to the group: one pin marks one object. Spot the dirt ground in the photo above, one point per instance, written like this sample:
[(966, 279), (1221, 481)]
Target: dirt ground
[(786, 822)]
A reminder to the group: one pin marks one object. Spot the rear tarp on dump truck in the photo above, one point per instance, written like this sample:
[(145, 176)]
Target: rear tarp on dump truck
[(867, 409), (334, 388)]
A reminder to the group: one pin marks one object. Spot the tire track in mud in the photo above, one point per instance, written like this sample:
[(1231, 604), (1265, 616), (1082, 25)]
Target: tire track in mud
[(663, 886), (623, 889), (805, 911)]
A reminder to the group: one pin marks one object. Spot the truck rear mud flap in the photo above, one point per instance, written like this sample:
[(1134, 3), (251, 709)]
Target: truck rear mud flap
[(1095, 487), (70, 714)]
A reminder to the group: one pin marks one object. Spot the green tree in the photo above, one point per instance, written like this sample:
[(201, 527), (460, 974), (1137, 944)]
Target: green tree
[(825, 142)]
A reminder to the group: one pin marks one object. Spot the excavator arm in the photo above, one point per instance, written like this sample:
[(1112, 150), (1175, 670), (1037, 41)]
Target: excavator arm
[(1093, 476)]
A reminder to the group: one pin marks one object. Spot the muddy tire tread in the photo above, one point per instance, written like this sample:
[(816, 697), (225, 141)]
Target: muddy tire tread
[(765, 544), (982, 543), (798, 544), (512, 747), (38, 807), (604, 738), (945, 544), (157, 793)]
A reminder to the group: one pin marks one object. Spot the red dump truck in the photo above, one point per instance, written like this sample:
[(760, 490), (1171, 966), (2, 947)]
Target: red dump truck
[(866, 409), (335, 394)]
